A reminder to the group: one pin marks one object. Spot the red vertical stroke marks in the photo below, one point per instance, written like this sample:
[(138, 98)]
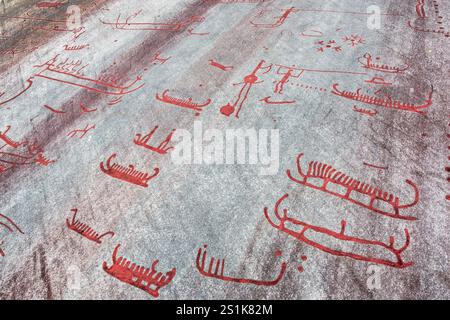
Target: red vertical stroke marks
[(8, 224), (183, 103), (162, 148), (332, 181), (248, 82), (75, 47), (84, 230), (366, 112), (280, 20), (81, 132), (146, 279), (48, 4), (216, 268), (385, 102), (267, 100), (130, 174), (373, 247)]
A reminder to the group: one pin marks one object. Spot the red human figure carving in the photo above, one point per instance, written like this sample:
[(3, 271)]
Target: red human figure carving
[(280, 20), (129, 174), (387, 102), (369, 64), (300, 229), (82, 132), (219, 65), (287, 74), (268, 101), (84, 230), (151, 26), (249, 80), (330, 177), (8, 140), (140, 277), (367, 112), (216, 271), (186, 103), (161, 148)]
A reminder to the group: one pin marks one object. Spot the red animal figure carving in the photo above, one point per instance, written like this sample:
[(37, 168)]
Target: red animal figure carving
[(9, 225), (219, 65), (151, 26), (216, 271), (369, 64), (387, 102), (367, 112), (54, 110), (186, 103), (327, 176), (268, 101), (300, 230), (84, 230), (280, 20), (9, 141), (249, 80), (161, 148), (82, 132), (140, 277), (129, 174), (287, 73)]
